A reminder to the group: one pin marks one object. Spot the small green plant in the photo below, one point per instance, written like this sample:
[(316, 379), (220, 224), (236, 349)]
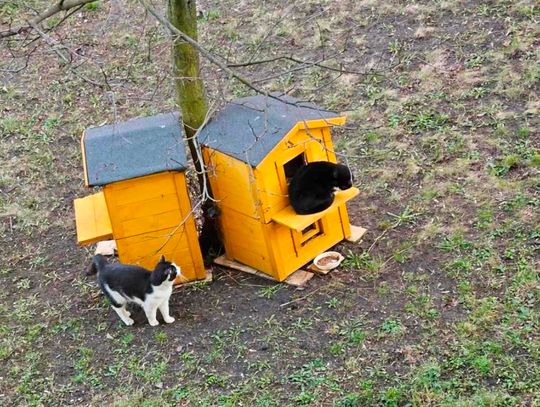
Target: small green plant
[(372, 137), (395, 47), (523, 132), (475, 61), (305, 398), (199, 285), (161, 337), (332, 303), (94, 6), (428, 120), (534, 161), (209, 15), (302, 324), (482, 364), (354, 260), (530, 12), (504, 165), (350, 400), (363, 261), (336, 348), (455, 242), (216, 380), (391, 397), (484, 217), (407, 216), (394, 120), (391, 327), (356, 336), (427, 376), (269, 291), (475, 93), (127, 339), (84, 368), (460, 266), (8, 8), (155, 372)]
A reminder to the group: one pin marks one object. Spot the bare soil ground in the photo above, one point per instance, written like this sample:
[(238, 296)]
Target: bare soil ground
[(439, 305)]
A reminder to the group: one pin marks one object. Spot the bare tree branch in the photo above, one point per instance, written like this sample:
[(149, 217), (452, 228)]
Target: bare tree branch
[(212, 58), (60, 5), (288, 71), (56, 46), (204, 52), (307, 63)]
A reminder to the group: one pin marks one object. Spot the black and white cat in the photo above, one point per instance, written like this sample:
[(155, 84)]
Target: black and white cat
[(124, 283), (311, 189)]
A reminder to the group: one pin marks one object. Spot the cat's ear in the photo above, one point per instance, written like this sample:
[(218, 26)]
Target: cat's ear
[(162, 259)]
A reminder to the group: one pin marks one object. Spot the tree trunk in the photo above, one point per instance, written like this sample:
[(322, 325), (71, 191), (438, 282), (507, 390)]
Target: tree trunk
[(193, 106), (189, 86)]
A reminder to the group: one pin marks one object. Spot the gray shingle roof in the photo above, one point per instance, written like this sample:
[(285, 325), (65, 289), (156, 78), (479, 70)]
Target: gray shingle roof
[(249, 128), (134, 148)]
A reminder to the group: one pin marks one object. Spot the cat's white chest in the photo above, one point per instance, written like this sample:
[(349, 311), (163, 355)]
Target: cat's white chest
[(160, 293)]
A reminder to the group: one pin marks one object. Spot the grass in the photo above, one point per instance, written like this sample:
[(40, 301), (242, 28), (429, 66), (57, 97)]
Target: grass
[(438, 306)]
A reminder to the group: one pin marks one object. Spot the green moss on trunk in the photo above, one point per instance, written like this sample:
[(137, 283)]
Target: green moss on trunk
[(189, 86)]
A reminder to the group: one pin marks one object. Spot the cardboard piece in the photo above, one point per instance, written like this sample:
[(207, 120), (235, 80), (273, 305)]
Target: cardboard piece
[(106, 248)]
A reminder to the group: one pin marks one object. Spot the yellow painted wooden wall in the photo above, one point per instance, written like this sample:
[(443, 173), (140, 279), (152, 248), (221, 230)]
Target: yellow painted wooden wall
[(149, 216), (249, 199)]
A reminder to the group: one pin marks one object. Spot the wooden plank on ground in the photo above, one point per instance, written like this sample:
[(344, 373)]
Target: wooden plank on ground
[(208, 278), (357, 233), (297, 279)]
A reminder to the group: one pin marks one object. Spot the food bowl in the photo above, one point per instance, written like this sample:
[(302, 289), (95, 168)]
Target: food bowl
[(328, 260)]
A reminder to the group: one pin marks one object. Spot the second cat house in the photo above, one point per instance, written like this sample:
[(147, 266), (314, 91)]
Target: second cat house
[(143, 203), (251, 149)]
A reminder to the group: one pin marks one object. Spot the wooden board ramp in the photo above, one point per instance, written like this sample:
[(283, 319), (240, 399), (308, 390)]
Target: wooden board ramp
[(92, 219), (297, 279), (357, 233)]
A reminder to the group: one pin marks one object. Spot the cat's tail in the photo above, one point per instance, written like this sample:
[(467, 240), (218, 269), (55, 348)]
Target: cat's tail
[(98, 263)]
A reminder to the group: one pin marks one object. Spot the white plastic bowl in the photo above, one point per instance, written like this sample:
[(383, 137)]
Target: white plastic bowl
[(330, 265)]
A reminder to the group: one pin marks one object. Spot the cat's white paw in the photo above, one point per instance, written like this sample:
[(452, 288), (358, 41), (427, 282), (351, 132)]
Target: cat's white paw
[(169, 319), (128, 321), (154, 322)]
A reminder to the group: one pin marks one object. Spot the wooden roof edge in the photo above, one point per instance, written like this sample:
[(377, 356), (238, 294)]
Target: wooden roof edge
[(85, 168), (326, 122)]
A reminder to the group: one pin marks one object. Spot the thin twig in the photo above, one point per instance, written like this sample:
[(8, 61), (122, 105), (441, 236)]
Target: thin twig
[(213, 58), (55, 45), (301, 298), (296, 68), (60, 5), (310, 63)]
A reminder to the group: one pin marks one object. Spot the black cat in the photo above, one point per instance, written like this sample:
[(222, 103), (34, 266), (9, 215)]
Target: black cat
[(210, 238), (311, 189), (123, 283)]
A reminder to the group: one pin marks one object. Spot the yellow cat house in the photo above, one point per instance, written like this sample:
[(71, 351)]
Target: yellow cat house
[(251, 149), (143, 204)]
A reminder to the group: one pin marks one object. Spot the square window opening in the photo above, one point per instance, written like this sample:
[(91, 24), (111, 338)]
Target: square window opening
[(291, 166), (311, 232)]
